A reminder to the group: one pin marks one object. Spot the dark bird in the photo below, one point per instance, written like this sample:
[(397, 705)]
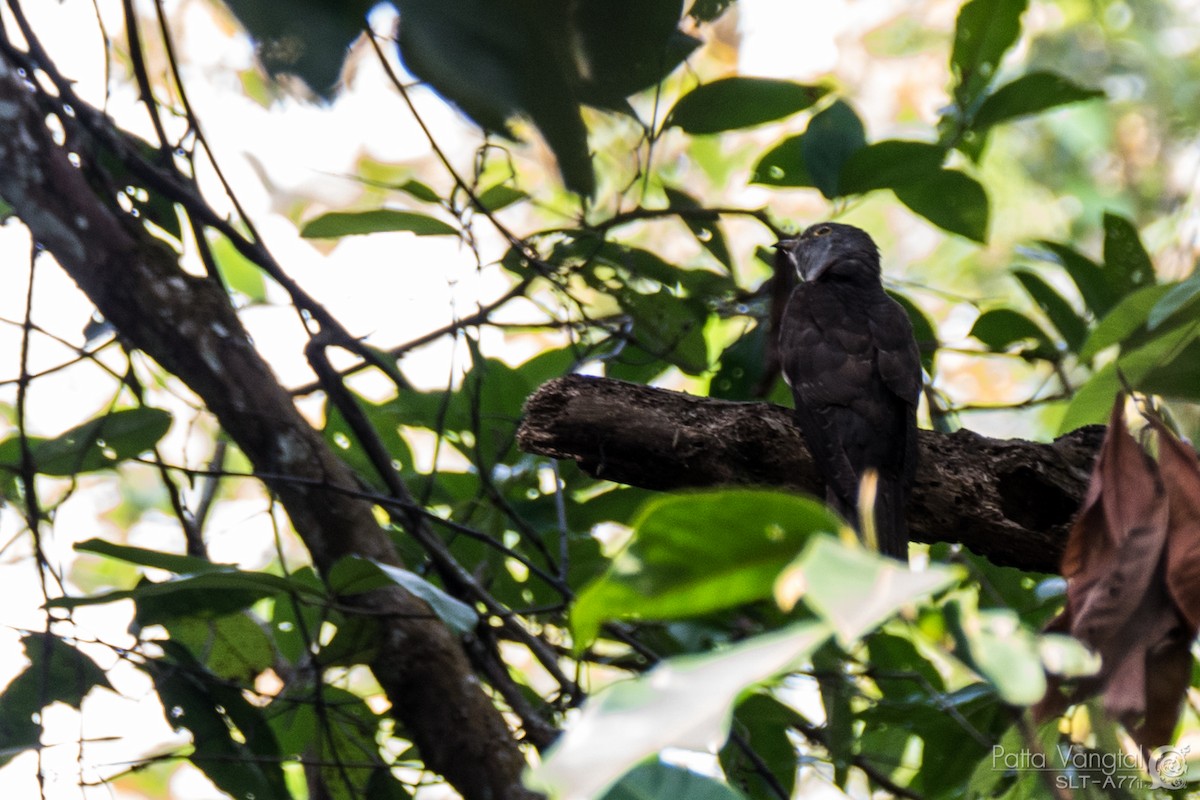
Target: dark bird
[(848, 352)]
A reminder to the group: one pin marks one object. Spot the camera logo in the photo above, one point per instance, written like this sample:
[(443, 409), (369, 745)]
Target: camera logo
[(1168, 767)]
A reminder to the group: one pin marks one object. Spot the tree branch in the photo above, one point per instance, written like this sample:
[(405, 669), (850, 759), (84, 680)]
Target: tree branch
[(1007, 499), (189, 326)]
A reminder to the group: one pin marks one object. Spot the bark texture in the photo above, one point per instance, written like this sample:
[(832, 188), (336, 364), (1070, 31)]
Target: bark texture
[(188, 325), (1007, 499)]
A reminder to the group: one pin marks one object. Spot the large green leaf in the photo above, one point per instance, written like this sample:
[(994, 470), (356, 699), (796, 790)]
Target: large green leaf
[(684, 702), (336, 224), (831, 138), (1029, 94), (101, 443), (951, 200), (627, 46), (983, 33), (695, 553), (740, 102), (497, 59), (890, 163)]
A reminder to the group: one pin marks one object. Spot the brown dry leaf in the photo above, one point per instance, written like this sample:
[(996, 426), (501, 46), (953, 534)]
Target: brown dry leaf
[(1118, 602), (1181, 476)]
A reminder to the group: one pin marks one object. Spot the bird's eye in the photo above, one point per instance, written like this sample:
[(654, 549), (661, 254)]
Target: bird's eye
[(821, 231)]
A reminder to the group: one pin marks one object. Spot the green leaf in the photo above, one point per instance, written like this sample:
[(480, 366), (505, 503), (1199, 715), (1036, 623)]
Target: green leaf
[(419, 190), (832, 137), (1072, 326), (764, 724), (655, 780), (310, 43), (1168, 364), (890, 163), (855, 590), (157, 559), (703, 227), (1126, 318), (353, 575), (739, 102), (983, 33), (1029, 94), (355, 223), (499, 60), (233, 647), (1180, 295), (1088, 276), (995, 644), (239, 273), (208, 594), (699, 552), (951, 200), (57, 673), (501, 196), (98, 444), (1127, 265), (335, 731), (231, 741), (627, 45), (685, 702), (783, 165), (1000, 329)]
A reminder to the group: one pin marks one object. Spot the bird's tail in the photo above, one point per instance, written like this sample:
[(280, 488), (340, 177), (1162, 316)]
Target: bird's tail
[(881, 503)]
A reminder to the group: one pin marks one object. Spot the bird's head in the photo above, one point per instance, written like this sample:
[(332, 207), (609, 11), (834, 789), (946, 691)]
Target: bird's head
[(830, 244)]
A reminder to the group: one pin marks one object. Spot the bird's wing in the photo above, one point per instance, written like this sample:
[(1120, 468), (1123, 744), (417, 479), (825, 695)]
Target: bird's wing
[(899, 361)]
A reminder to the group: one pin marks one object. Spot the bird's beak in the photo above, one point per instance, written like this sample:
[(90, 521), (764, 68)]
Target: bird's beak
[(785, 255)]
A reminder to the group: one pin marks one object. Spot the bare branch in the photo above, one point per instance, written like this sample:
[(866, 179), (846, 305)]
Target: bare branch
[(1007, 499)]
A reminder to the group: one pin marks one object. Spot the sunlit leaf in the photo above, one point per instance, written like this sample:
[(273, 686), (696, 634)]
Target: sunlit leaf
[(684, 702), (352, 575), (356, 223), (1179, 296), (855, 590), (1125, 318), (695, 553)]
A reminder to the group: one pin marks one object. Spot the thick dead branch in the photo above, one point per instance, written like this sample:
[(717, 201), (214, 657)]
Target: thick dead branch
[(1007, 499), (188, 325)]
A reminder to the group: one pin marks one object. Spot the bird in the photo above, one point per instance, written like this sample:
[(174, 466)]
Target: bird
[(848, 353)]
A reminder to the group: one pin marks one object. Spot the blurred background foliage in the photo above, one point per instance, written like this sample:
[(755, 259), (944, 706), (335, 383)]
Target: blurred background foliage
[(1030, 173)]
